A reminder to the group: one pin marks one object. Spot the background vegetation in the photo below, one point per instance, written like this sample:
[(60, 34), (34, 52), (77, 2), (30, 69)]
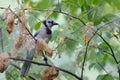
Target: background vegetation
[(87, 43)]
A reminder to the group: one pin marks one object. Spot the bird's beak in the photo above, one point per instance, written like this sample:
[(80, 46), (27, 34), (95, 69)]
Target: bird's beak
[(54, 23)]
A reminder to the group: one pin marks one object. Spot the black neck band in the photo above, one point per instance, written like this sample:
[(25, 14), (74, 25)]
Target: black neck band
[(44, 22), (47, 29)]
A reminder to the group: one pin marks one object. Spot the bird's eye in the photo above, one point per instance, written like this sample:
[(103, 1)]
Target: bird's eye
[(49, 21)]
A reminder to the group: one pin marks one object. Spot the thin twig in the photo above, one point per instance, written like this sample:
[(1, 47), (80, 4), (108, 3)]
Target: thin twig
[(43, 64), (105, 70), (56, 11), (71, 16), (32, 77), (113, 54), (102, 67), (1, 37), (15, 65), (102, 50), (84, 59)]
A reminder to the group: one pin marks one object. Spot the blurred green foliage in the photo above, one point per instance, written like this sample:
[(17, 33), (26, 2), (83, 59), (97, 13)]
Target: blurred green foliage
[(73, 46)]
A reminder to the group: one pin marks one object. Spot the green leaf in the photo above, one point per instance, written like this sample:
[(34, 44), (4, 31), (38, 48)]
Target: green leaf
[(14, 73), (99, 56), (103, 46), (118, 55), (100, 65), (68, 77), (26, 1), (70, 45), (104, 77), (81, 2), (96, 2), (85, 78), (107, 77), (118, 65), (114, 3), (70, 67), (108, 35), (91, 66), (117, 3), (79, 57), (44, 4), (109, 1), (99, 77), (89, 2), (31, 21), (56, 35), (97, 20), (37, 25), (109, 16), (105, 57)]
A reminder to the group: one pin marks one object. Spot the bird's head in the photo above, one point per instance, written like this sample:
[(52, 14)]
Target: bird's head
[(49, 23)]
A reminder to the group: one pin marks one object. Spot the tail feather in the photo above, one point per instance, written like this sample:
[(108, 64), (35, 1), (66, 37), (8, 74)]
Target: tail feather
[(26, 65)]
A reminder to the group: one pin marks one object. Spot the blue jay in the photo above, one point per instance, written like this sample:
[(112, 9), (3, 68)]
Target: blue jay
[(45, 33)]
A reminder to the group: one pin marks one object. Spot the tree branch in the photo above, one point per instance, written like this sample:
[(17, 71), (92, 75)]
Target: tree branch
[(113, 54), (56, 11), (86, 51), (43, 64), (95, 32), (21, 22), (1, 37)]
